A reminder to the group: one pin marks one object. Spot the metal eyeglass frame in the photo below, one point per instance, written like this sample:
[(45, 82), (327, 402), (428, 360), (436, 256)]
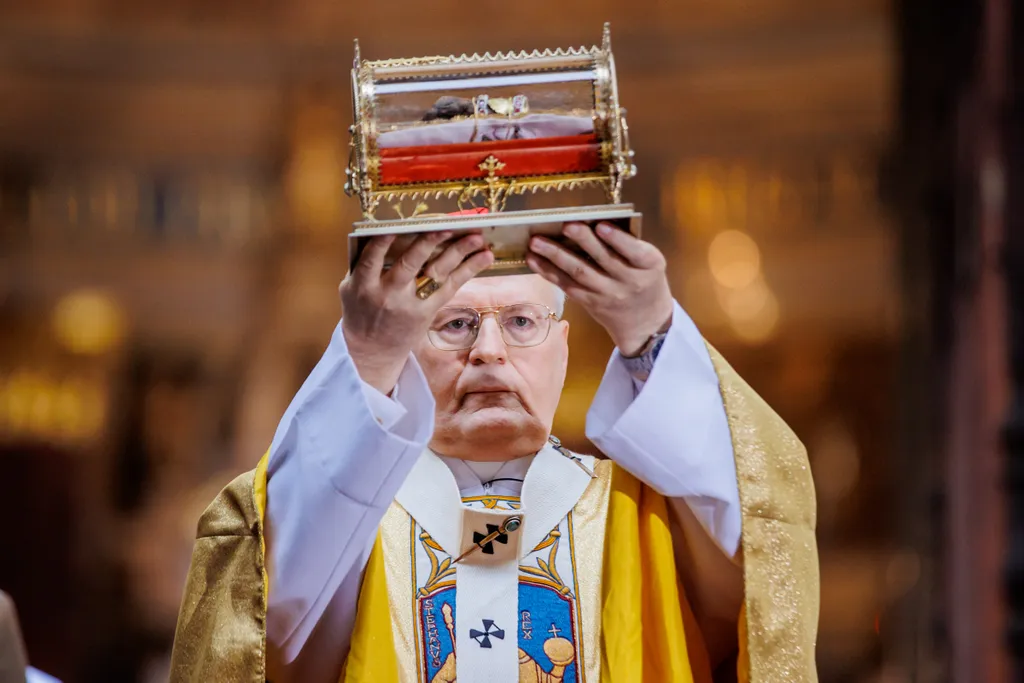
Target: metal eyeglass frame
[(495, 310)]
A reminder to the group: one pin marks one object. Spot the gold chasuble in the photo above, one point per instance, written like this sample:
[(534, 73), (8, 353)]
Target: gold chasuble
[(574, 581)]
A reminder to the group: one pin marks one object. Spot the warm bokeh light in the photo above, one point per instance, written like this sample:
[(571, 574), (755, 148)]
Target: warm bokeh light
[(701, 200), (734, 259), (88, 322), (760, 326), (52, 409), (752, 310), (748, 302)]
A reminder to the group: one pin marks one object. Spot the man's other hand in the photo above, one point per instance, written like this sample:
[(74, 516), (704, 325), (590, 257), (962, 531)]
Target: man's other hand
[(383, 318), (624, 288)]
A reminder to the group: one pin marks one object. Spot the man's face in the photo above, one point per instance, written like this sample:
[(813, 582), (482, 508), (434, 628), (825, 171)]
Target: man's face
[(494, 401)]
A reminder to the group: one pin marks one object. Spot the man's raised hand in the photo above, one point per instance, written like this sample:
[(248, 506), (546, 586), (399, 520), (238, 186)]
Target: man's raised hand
[(383, 318), (624, 288)]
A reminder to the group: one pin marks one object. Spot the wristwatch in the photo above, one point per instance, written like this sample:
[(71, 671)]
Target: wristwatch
[(640, 365)]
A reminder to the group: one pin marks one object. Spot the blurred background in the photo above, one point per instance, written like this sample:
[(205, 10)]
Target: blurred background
[(833, 181)]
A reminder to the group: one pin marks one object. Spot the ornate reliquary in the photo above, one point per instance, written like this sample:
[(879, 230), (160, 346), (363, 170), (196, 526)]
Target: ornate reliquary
[(509, 145)]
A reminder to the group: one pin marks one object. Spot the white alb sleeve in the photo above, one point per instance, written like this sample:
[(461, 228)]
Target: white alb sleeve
[(671, 431), (340, 454)]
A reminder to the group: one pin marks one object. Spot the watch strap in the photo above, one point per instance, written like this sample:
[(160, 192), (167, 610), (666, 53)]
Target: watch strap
[(640, 366)]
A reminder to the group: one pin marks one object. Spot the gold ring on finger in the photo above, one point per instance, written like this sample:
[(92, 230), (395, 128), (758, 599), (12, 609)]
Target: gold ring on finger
[(425, 286)]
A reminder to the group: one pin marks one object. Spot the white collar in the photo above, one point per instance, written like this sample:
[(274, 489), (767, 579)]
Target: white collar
[(552, 486), (489, 478)]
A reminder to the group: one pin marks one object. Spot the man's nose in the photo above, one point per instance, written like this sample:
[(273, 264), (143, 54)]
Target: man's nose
[(489, 347)]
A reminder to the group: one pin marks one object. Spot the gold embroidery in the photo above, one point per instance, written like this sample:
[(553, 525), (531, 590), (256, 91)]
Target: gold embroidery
[(780, 558), (439, 570), (495, 502), (547, 571), (561, 653)]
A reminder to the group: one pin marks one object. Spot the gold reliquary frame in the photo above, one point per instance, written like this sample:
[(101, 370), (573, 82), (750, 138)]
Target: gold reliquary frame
[(468, 134)]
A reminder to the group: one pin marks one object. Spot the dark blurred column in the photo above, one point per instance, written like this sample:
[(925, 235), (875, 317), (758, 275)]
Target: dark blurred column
[(950, 181), (979, 382), (1014, 269), (918, 183)]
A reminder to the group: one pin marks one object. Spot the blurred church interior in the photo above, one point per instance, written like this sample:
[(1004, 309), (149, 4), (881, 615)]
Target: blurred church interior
[(172, 234)]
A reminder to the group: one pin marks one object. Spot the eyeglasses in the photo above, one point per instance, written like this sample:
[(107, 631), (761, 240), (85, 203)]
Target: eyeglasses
[(455, 329)]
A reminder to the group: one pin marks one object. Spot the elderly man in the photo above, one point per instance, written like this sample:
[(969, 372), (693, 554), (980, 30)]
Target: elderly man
[(415, 520)]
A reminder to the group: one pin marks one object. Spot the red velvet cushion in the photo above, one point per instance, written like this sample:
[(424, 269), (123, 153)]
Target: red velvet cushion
[(533, 157)]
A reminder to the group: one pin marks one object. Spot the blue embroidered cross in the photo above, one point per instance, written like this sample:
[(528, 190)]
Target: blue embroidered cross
[(483, 638)]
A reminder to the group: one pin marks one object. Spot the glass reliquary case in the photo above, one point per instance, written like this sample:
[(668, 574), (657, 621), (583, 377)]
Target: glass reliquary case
[(509, 145)]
